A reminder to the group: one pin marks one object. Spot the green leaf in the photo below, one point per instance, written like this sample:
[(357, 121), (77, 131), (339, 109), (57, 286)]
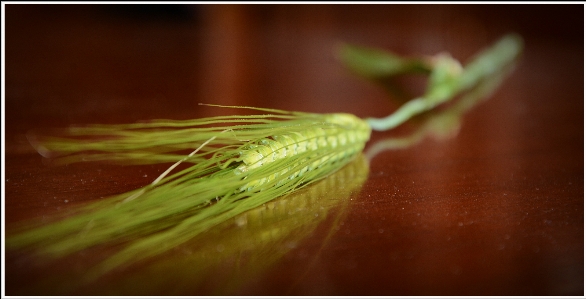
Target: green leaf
[(374, 63)]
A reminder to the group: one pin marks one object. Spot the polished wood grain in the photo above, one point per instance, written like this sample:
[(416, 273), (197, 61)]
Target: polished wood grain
[(494, 208)]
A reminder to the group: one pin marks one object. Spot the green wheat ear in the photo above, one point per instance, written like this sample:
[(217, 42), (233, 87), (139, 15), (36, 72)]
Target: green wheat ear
[(236, 163)]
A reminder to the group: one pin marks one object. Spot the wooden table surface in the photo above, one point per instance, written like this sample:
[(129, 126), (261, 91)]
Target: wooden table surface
[(494, 208)]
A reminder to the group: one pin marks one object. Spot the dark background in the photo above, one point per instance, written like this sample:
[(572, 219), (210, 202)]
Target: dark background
[(495, 210)]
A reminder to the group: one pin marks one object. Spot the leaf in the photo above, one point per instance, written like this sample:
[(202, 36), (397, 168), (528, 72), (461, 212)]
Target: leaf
[(372, 63)]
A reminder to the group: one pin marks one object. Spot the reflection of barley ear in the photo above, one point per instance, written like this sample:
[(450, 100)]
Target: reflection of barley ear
[(306, 206)]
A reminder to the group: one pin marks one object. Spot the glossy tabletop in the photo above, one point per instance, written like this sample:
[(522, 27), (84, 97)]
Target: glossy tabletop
[(486, 202)]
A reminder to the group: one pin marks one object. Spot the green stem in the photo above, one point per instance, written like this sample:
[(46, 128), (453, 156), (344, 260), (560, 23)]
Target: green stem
[(446, 80)]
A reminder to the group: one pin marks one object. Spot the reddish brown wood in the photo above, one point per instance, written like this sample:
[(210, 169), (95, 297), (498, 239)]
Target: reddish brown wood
[(495, 210)]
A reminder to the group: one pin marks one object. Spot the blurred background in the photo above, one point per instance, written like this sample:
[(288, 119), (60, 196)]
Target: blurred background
[(120, 63), (497, 210)]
